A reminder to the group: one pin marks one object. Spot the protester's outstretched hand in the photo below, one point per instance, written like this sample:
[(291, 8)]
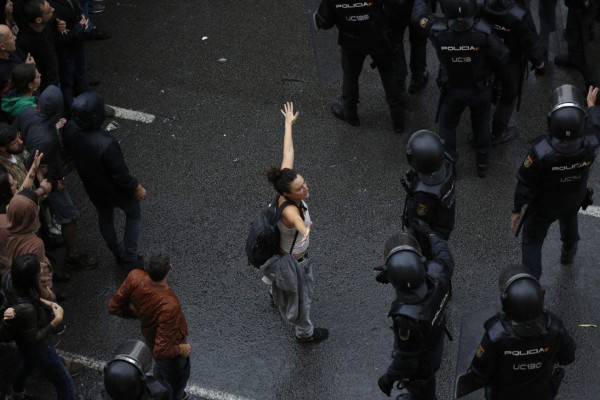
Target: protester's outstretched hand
[(37, 158), (288, 113), (591, 96)]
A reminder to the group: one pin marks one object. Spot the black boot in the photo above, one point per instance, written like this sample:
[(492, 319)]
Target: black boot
[(482, 160), (507, 135), (567, 253), (343, 114), (418, 82)]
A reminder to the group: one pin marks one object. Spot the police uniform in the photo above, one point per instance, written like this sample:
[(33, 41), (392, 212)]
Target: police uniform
[(398, 14), (514, 25), (419, 328), (361, 33), (520, 368), (467, 59), (580, 18), (547, 15), (553, 182), (434, 203)]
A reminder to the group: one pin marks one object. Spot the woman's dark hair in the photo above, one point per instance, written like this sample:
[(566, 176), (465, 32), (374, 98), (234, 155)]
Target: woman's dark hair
[(25, 273), (158, 266), (5, 191), (281, 179), (8, 133), (30, 194), (21, 76)]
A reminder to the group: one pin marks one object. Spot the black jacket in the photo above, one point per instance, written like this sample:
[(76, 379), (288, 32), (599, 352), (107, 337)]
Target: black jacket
[(41, 47), (96, 154), (31, 325), (72, 41)]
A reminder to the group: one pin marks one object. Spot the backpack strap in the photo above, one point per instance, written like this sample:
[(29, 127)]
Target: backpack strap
[(280, 209)]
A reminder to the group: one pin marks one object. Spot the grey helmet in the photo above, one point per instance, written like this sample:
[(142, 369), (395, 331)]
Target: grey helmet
[(405, 268), (567, 114), (425, 154)]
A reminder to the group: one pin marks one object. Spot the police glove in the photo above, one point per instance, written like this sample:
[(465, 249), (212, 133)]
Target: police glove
[(421, 229), (382, 275), (539, 70), (385, 384)]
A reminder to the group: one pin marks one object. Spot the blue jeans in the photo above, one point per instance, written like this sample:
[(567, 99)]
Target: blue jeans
[(125, 250), (175, 372), (50, 366)]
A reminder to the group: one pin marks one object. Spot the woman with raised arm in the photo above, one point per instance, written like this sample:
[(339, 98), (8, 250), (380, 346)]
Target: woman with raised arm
[(295, 223)]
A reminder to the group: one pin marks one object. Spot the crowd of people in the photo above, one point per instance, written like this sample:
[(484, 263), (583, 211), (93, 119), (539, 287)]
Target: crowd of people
[(52, 125)]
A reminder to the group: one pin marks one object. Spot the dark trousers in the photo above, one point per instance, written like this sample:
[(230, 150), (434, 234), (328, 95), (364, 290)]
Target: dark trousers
[(417, 37), (420, 383), (175, 372), (578, 41), (73, 77), (547, 14), (454, 103), (535, 229), (50, 365), (125, 251), (352, 64), (509, 77)]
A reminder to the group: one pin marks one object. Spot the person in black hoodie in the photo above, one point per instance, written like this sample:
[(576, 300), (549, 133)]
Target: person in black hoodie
[(101, 166), (39, 129)]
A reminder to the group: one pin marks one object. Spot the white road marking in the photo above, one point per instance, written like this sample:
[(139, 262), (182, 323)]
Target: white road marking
[(133, 115), (594, 211), (97, 365)]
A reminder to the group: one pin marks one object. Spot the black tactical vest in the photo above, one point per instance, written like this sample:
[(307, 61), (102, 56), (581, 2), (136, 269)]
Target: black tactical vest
[(359, 23), (506, 23), (427, 318), (525, 366), (462, 54), (441, 219), (564, 176)]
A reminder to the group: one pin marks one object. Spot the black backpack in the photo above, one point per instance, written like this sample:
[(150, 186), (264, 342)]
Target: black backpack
[(262, 242)]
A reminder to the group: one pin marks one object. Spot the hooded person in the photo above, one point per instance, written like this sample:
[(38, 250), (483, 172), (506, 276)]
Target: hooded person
[(21, 238), (99, 161), (39, 128)]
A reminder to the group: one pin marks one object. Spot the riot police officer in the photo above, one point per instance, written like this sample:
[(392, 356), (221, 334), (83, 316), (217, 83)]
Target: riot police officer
[(125, 375), (418, 313), (430, 188), (361, 27), (468, 51), (552, 180), (580, 20), (514, 25), (398, 14), (522, 343)]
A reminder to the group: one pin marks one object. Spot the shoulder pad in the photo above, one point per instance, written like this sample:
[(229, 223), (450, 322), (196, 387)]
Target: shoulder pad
[(542, 147), (553, 323), (484, 26), (494, 328), (517, 11), (440, 24)]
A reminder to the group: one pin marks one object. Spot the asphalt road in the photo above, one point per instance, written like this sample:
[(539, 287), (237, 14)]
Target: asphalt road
[(218, 128)]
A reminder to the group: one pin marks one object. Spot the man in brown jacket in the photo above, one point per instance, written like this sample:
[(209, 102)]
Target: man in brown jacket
[(146, 295)]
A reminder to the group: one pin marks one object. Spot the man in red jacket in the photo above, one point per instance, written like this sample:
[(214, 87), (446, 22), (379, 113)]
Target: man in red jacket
[(146, 295)]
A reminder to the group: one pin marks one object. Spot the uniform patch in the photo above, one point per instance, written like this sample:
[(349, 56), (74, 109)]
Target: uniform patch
[(422, 210), (480, 351), (423, 22), (528, 161)]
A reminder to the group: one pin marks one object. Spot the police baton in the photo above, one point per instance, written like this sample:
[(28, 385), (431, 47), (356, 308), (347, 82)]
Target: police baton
[(522, 221), (524, 72), (439, 107)]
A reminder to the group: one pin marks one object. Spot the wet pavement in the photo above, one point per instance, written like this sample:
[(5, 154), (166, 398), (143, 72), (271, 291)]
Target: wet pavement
[(217, 129)]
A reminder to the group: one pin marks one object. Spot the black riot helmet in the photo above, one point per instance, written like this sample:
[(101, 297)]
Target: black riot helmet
[(405, 268), (522, 298), (460, 14), (425, 154), (566, 118), (124, 376)]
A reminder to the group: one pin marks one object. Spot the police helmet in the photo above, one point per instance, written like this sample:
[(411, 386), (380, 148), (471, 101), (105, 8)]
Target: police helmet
[(522, 297), (425, 154), (124, 376), (460, 14), (405, 268), (566, 118)]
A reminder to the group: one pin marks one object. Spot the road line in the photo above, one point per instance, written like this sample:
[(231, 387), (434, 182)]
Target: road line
[(133, 115), (208, 394), (594, 211)]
